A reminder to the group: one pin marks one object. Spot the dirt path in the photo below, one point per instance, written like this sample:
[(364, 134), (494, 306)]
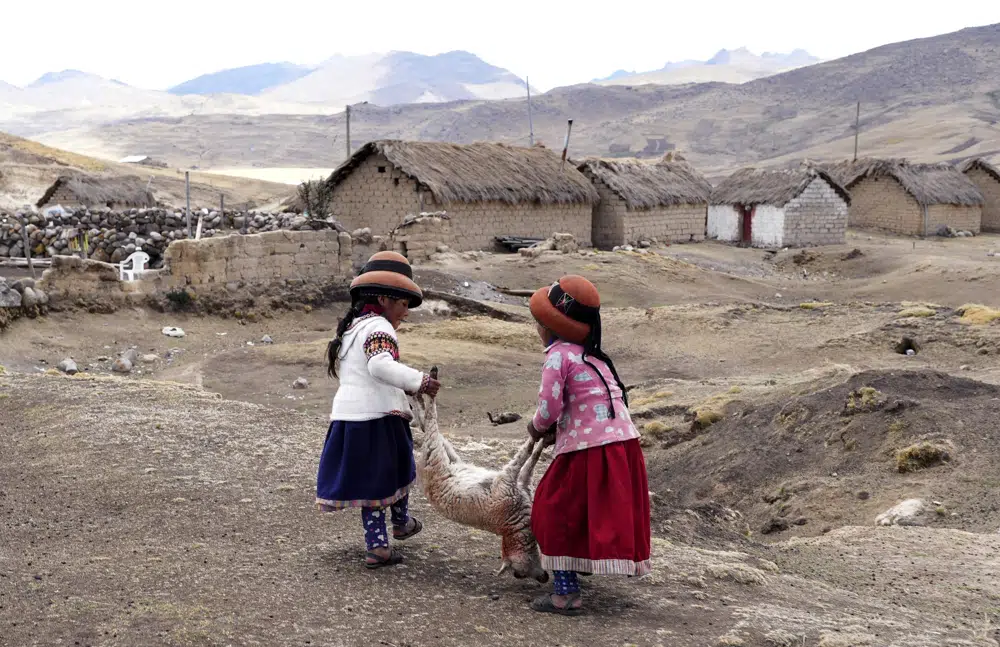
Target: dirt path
[(144, 513)]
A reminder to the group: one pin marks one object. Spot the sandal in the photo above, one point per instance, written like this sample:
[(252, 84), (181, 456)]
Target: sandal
[(406, 534), (394, 558), (544, 604)]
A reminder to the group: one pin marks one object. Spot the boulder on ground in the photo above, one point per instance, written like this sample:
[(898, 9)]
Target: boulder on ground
[(68, 367), (906, 513)]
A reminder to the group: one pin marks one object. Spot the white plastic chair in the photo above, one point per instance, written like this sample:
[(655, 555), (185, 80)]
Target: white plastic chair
[(137, 261)]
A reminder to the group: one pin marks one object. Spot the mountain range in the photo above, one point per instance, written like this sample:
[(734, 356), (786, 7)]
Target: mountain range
[(727, 66)]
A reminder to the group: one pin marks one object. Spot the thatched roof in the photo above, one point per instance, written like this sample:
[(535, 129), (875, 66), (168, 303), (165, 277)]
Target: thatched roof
[(90, 191), (776, 187), (481, 172), (928, 183), (644, 185), (981, 164)]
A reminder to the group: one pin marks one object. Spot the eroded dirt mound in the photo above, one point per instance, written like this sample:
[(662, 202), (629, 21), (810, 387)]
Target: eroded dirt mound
[(803, 463)]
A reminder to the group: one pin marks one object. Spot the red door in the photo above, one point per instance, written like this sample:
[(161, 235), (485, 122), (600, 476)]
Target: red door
[(747, 235)]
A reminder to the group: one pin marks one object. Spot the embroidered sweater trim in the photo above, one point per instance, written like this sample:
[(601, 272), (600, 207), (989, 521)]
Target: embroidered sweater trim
[(381, 342)]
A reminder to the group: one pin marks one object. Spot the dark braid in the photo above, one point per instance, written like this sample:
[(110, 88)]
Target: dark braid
[(592, 346), (333, 348)]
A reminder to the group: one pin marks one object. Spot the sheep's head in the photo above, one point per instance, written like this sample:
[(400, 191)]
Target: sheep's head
[(520, 554)]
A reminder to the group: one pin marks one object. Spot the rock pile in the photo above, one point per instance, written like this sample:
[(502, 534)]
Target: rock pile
[(111, 236)]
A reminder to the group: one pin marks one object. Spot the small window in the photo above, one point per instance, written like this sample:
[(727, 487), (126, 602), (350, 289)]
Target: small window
[(381, 169), (395, 181)]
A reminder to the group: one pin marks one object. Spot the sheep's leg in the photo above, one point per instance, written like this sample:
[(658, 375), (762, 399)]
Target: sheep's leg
[(512, 468), (524, 476)]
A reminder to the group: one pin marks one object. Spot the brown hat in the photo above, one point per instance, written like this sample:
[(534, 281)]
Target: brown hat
[(389, 274), (569, 308)]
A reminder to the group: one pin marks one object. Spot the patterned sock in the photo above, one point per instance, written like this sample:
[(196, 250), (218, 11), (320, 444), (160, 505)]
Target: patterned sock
[(566, 582), (374, 523), (400, 515)]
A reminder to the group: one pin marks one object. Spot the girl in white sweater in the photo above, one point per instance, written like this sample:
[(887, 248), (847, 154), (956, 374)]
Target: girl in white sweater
[(367, 460)]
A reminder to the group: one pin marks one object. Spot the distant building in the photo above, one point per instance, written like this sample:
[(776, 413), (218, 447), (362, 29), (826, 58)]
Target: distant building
[(986, 177), (779, 208), (90, 191), (897, 196), (487, 189), (639, 201), (143, 160), (656, 146)]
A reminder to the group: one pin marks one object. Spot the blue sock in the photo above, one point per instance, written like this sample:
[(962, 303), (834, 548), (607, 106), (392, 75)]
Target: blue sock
[(400, 514), (373, 520), (566, 582)]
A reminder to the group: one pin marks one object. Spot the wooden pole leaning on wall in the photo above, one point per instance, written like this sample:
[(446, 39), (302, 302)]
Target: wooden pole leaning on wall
[(27, 243), (569, 129), (857, 129), (347, 117)]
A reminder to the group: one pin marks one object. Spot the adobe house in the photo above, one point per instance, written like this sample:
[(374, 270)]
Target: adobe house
[(779, 208), (487, 190), (89, 191), (910, 199), (986, 177), (639, 201)]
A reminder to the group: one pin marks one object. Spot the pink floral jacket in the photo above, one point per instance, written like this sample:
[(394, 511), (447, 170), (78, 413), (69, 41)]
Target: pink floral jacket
[(574, 396)]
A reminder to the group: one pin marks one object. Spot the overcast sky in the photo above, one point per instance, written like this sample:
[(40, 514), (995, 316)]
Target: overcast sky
[(159, 44)]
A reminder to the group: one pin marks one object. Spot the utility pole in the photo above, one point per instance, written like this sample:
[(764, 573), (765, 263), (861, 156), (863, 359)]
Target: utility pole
[(187, 191), (347, 115), (531, 128), (857, 128)]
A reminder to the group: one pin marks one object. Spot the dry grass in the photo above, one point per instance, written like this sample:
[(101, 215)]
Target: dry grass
[(977, 315), (815, 305), (917, 311), (654, 431), (654, 398), (479, 330), (921, 456), (644, 185), (770, 186), (739, 573), (480, 172), (11, 144)]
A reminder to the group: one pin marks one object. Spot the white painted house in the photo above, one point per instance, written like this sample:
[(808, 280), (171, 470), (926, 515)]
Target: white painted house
[(779, 208)]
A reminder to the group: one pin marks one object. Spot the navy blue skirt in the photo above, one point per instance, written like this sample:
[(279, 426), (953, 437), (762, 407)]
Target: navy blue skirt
[(365, 464)]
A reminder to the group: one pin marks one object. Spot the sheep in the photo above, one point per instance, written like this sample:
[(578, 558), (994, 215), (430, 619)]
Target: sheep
[(495, 501)]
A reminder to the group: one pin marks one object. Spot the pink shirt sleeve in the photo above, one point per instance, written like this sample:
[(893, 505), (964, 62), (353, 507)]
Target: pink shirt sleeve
[(550, 396)]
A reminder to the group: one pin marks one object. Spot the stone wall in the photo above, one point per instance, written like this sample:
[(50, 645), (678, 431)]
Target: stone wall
[(377, 196), (882, 203), (817, 216), (958, 217), (113, 235), (420, 237), (990, 188)]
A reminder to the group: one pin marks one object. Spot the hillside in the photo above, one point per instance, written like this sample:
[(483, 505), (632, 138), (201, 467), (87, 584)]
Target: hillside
[(250, 79), (400, 78), (737, 66), (27, 168), (908, 90)]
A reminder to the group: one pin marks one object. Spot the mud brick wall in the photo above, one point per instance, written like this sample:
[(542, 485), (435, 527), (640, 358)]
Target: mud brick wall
[(817, 216), (73, 279), (260, 259), (958, 217), (476, 225), (419, 239), (990, 188), (378, 196), (882, 203), (676, 224), (613, 223), (375, 195)]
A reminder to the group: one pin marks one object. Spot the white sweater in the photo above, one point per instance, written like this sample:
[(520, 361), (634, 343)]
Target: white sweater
[(373, 383)]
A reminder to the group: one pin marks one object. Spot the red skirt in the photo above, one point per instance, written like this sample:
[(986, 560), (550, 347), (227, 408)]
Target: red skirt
[(591, 511)]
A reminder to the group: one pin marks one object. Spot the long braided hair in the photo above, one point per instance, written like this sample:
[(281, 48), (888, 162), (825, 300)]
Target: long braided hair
[(591, 316), (358, 306)]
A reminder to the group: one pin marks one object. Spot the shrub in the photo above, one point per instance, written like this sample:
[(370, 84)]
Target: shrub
[(921, 456)]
